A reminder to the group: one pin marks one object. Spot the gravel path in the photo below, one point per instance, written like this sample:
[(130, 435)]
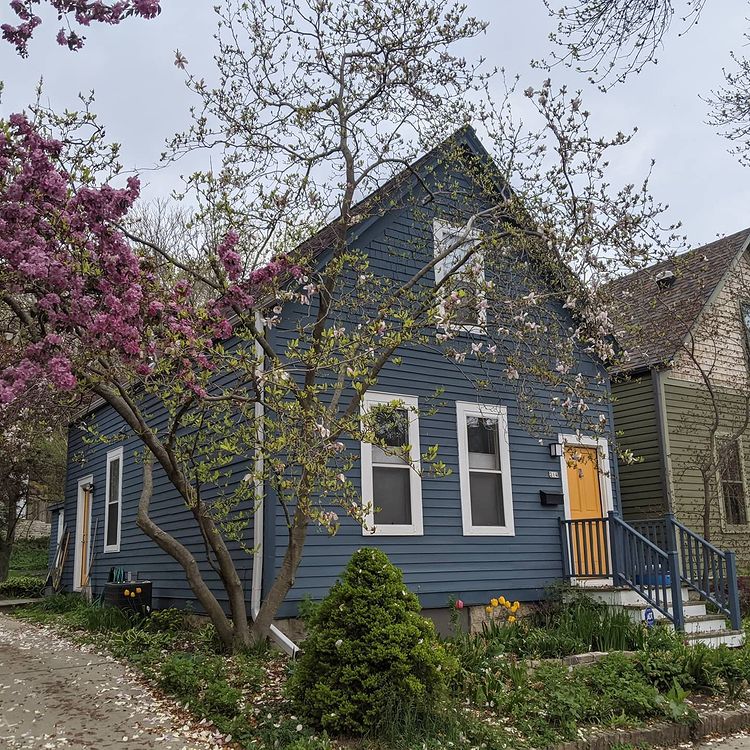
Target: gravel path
[(54, 694)]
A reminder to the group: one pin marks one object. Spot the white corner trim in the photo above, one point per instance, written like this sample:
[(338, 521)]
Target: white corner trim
[(113, 455), (464, 409), (605, 469), (416, 528)]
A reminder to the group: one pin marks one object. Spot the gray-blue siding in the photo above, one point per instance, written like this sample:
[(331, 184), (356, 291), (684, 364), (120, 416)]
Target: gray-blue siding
[(443, 562), (436, 565), (138, 554)]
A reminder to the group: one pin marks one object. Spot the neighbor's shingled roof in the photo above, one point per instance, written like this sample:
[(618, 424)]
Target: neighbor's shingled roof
[(652, 323)]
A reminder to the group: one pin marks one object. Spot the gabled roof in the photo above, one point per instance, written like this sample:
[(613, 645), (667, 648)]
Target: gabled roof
[(653, 321), (380, 201)]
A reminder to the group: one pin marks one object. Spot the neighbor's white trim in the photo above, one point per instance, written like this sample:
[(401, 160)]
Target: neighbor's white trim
[(732, 528), (113, 455), (440, 230), (605, 469), (468, 409), (89, 479), (256, 590), (416, 528)]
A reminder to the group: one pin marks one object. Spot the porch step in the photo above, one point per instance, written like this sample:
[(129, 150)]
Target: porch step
[(700, 626), (621, 596), (731, 638)]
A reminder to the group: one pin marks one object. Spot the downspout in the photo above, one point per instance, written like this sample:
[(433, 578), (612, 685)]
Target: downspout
[(256, 591)]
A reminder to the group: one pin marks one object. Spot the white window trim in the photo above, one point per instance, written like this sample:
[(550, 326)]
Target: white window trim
[(77, 552), (60, 524), (416, 528), (466, 409), (732, 528), (111, 456), (440, 229)]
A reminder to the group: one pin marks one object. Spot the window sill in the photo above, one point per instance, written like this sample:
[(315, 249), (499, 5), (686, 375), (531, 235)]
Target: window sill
[(489, 531), (111, 550), (393, 531)]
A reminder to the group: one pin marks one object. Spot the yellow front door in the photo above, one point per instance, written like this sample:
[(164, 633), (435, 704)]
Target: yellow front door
[(85, 531), (589, 541)]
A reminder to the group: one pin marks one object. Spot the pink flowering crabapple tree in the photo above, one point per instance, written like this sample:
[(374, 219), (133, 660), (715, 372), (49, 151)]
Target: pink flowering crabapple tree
[(81, 13), (315, 105)]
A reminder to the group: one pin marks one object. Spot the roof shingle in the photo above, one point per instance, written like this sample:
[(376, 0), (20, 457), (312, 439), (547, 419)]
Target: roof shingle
[(652, 322)]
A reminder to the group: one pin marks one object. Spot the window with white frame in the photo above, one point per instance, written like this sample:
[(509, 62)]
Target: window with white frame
[(732, 480), (462, 303), (113, 501), (391, 484), (484, 467)]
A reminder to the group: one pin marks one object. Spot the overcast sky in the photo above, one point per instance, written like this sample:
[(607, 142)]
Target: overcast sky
[(142, 100)]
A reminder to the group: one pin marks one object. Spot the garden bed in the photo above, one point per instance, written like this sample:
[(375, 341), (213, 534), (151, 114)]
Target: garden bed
[(507, 689)]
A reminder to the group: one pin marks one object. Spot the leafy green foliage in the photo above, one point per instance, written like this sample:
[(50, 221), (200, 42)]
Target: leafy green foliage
[(200, 681), (29, 556), (369, 653), (21, 587)]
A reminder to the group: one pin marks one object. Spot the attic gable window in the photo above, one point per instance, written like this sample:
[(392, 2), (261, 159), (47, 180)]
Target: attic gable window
[(461, 298)]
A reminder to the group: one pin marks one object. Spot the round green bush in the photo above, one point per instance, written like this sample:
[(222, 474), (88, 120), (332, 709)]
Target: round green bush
[(370, 655)]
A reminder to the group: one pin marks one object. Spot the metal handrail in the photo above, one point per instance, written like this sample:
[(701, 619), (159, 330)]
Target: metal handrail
[(708, 570), (625, 555), (647, 569)]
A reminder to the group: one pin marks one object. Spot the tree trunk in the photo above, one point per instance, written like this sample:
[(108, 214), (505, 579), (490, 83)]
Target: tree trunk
[(189, 564), (6, 548), (284, 578)]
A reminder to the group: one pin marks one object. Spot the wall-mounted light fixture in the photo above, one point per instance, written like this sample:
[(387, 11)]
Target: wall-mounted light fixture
[(88, 487), (555, 450)]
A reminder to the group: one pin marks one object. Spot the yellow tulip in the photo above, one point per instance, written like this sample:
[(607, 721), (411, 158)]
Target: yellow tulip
[(516, 604), (502, 600), (508, 604), (493, 602), (511, 619), (488, 610), (514, 608), (127, 593), (132, 594), (138, 590)]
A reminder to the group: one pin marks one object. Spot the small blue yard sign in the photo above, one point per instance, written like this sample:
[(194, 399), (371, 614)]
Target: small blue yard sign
[(648, 617)]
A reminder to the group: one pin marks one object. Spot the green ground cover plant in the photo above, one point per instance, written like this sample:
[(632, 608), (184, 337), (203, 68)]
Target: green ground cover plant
[(499, 689), (29, 557), (21, 587)]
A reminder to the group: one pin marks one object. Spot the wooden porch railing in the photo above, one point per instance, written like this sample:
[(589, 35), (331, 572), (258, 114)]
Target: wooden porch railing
[(654, 557)]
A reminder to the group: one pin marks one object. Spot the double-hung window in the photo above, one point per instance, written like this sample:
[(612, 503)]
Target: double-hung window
[(461, 295), (113, 501), (484, 467), (732, 480), (391, 483)]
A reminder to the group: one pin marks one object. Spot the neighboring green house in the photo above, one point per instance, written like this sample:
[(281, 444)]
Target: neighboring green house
[(683, 400)]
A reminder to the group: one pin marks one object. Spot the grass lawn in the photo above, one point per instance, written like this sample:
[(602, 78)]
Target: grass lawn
[(508, 690)]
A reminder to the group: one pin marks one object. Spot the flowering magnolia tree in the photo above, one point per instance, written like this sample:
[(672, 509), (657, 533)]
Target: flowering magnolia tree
[(316, 105), (81, 13)]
